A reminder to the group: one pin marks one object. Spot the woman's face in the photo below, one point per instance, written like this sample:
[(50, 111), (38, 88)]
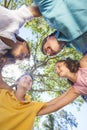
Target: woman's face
[(62, 69), (20, 51), (26, 82)]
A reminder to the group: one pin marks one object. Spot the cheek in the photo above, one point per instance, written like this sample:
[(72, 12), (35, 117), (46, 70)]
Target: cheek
[(55, 46), (31, 84), (16, 51), (64, 71), (21, 49), (57, 70), (24, 49)]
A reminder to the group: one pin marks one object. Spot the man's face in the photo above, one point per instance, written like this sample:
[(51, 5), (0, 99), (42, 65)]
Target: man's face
[(52, 46)]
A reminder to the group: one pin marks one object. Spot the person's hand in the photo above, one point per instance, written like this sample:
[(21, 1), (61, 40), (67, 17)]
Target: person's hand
[(2, 63), (5, 61)]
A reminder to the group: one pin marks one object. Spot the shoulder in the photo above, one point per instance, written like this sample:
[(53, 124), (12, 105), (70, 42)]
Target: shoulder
[(81, 75), (83, 62), (4, 91)]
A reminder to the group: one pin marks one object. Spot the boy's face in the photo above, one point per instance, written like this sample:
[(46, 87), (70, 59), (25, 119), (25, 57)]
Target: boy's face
[(26, 82)]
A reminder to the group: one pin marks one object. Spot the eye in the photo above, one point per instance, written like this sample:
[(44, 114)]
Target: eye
[(57, 66), (45, 51), (26, 55), (30, 80), (22, 56)]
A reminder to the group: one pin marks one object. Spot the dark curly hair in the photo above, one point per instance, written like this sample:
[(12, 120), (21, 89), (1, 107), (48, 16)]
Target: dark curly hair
[(72, 65)]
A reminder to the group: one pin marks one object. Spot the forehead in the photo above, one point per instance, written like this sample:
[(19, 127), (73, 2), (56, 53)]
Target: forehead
[(60, 63), (28, 76), (46, 44), (23, 46)]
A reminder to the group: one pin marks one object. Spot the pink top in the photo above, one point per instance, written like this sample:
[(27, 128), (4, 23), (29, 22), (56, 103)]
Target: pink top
[(81, 83)]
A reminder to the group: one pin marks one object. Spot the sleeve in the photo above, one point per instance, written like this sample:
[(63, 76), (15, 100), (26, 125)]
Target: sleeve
[(3, 92), (79, 89), (0, 91), (24, 13), (45, 6), (38, 106)]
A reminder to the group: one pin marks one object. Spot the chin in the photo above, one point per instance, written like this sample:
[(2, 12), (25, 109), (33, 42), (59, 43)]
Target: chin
[(29, 89), (10, 61), (61, 75)]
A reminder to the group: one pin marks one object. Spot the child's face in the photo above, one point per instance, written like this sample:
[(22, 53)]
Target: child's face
[(62, 69)]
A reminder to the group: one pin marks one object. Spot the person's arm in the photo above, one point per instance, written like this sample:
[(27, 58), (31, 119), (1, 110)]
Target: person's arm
[(35, 11), (4, 85), (83, 62), (59, 102)]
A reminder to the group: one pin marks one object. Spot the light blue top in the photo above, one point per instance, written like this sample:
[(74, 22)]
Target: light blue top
[(68, 17)]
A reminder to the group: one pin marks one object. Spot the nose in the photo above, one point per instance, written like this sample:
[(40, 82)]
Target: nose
[(28, 79), (57, 70), (48, 52)]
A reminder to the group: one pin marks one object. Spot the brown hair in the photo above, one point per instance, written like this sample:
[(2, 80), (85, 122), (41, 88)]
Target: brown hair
[(72, 65), (27, 46)]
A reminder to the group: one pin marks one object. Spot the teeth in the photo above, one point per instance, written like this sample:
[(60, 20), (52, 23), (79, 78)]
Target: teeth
[(18, 61)]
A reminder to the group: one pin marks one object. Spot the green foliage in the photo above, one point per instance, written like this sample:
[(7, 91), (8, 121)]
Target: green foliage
[(62, 120), (39, 25), (13, 4)]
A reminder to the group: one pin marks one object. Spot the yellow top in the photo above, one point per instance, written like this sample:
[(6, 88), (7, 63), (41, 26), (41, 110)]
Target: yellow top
[(15, 115)]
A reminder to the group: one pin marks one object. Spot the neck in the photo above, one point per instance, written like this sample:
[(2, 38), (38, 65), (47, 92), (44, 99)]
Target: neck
[(20, 94), (72, 77)]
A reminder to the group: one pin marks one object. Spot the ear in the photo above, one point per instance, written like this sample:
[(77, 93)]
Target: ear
[(24, 43), (16, 83), (48, 38)]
